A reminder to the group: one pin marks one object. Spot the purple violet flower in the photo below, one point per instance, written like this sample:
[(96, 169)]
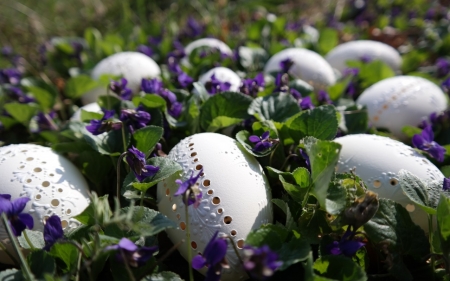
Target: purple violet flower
[(281, 83), (425, 142), (13, 210), (347, 246), (183, 79), (446, 186), (442, 67), (446, 85), (323, 97), (45, 122), (6, 196), (151, 86), (10, 76), (136, 160), (53, 231), (6, 51), (215, 86), (253, 86), (262, 143), (260, 262), (130, 253), (213, 257), (97, 127), (286, 65), (178, 53), (135, 118), (306, 158), (146, 50), (365, 58), (17, 94), (189, 190), (306, 103), (120, 88)]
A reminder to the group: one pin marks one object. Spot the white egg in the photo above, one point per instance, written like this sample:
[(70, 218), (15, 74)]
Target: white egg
[(402, 100), (205, 42), (377, 160), (91, 107), (52, 182), (133, 66), (307, 65), (222, 74), (355, 50), (236, 195)]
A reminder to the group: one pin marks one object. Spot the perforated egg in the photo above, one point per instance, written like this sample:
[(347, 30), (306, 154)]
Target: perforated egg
[(236, 195), (307, 65), (222, 74), (52, 182), (398, 101), (378, 160)]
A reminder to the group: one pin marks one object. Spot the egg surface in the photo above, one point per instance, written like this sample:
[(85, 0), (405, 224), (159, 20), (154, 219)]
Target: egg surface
[(377, 161), (355, 50), (398, 101), (52, 182), (236, 195), (222, 74), (307, 65), (133, 66)]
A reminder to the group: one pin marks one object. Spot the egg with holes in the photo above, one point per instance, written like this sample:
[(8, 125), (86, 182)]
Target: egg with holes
[(399, 101), (223, 74), (358, 49), (378, 160), (133, 66), (235, 199), (307, 65), (53, 184)]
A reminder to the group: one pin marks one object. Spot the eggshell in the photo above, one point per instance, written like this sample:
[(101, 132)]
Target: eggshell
[(236, 195), (307, 65), (52, 182), (377, 160), (205, 42), (224, 75), (402, 100), (91, 107), (133, 66), (355, 50)]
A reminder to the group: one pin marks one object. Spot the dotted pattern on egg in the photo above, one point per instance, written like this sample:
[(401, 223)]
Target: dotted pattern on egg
[(53, 183), (377, 160), (213, 214)]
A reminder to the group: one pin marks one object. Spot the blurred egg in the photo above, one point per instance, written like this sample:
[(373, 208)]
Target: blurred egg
[(91, 107), (133, 66), (398, 101), (355, 50), (236, 195), (206, 43), (377, 161), (307, 65), (52, 182), (222, 74)]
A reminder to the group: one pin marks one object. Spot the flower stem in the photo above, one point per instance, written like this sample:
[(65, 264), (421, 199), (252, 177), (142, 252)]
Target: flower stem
[(26, 269), (118, 173), (3, 247), (236, 250), (430, 239), (124, 140), (188, 238), (130, 274), (80, 258), (25, 235)]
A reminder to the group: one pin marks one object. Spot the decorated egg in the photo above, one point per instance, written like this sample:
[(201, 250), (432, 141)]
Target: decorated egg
[(91, 107), (236, 196), (399, 101), (208, 43), (52, 182), (222, 74), (133, 66), (307, 65), (377, 161), (356, 50)]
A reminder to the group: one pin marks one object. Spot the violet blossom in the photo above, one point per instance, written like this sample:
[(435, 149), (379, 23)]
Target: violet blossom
[(136, 160), (53, 231), (425, 142), (135, 118), (189, 190), (260, 262), (130, 254), (213, 257), (13, 210)]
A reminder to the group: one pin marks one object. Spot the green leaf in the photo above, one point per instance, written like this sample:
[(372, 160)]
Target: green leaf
[(97, 212), (323, 156), (231, 106), (110, 143), (328, 40), (150, 101), (311, 224), (301, 86), (309, 270), (146, 138), (320, 122), (269, 234), (79, 85), (162, 276), (374, 71), (11, 275), (443, 223), (148, 222), (167, 167), (339, 267), (96, 167), (7, 122), (293, 252), (416, 191), (21, 112), (76, 147), (36, 238), (356, 119), (41, 263), (392, 224), (242, 138), (290, 223), (45, 98), (86, 116), (336, 200), (66, 256), (276, 107), (295, 190)]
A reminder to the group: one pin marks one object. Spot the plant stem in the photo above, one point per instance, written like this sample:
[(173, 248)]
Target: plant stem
[(188, 237), (26, 269), (236, 250), (118, 173), (142, 198), (124, 140), (3, 247), (25, 235), (77, 276), (430, 239), (130, 274)]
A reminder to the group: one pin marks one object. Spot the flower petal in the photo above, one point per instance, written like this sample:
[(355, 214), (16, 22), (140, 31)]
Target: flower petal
[(27, 219), (265, 135), (418, 141), (19, 204), (254, 138), (5, 205), (198, 262), (127, 244)]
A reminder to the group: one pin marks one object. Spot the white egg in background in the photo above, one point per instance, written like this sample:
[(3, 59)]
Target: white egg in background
[(222, 74), (236, 195), (399, 101), (133, 66), (377, 161), (205, 42), (52, 182), (355, 50), (91, 107), (307, 65)]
